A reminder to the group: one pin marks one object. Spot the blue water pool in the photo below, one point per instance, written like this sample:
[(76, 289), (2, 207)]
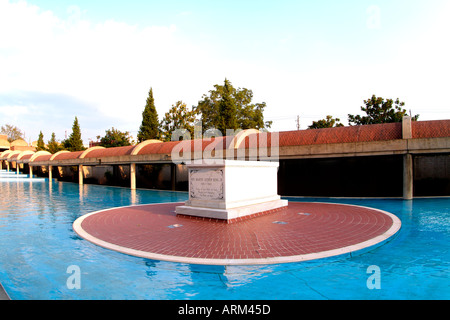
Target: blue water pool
[(38, 249)]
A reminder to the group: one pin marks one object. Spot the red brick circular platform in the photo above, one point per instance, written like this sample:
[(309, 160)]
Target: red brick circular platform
[(302, 231)]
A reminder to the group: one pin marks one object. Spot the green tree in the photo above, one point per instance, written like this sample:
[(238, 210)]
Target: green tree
[(227, 110), (379, 110), (247, 115), (74, 142), (328, 122), (115, 138), (149, 128), (178, 117), (13, 132), (40, 142), (53, 146)]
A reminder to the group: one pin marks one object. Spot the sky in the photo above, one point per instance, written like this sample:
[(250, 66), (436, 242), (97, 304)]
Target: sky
[(97, 60)]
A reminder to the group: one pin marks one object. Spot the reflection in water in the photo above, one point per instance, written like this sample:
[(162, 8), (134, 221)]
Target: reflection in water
[(37, 244), (231, 276), (133, 197)]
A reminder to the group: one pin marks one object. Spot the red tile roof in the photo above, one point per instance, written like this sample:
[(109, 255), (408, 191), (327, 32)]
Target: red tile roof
[(430, 129), (110, 152), (351, 134), (27, 156), (14, 157), (44, 157), (155, 148), (68, 155), (375, 132)]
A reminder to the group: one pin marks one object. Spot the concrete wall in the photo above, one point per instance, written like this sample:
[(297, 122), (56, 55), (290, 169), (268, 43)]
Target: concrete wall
[(379, 176), (113, 175), (151, 176), (413, 163), (357, 176), (370, 176), (432, 175), (66, 173), (97, 174), (154, 176), (181, 178)]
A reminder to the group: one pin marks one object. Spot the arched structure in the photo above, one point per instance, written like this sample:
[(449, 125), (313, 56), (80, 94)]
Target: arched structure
[(408, 151), (141, 145)]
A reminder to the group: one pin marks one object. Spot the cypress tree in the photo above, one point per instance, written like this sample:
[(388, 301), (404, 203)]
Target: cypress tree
[(74, 142), (40, 142), (149, 128), (53, 145)]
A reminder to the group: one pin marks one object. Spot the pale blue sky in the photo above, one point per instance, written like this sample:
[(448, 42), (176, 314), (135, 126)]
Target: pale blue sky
[(97, 59)]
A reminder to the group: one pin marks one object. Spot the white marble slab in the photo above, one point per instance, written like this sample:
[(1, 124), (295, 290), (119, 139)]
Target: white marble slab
[(228, 189)]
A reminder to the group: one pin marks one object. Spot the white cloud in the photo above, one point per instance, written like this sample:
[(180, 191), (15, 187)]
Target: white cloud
[(11, 110), (110, 66)]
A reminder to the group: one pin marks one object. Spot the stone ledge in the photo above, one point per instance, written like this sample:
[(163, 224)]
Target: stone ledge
[(232, 213), (234, 220)]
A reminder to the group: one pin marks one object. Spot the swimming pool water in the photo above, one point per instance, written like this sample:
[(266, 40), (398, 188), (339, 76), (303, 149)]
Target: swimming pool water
[(38, 245)]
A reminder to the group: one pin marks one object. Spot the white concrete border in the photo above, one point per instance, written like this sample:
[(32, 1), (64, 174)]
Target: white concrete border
[(396, 225)]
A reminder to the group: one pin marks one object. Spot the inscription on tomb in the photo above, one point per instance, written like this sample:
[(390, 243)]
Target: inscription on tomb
[(206, 184)]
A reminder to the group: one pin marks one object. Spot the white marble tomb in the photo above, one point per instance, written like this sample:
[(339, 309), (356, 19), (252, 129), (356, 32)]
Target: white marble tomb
[(229, 189)]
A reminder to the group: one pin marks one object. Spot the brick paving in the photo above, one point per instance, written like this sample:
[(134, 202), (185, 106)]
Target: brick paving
[(302, 231)]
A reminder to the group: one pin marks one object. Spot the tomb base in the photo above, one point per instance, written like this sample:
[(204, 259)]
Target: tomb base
[(233, 213), (230, 189)]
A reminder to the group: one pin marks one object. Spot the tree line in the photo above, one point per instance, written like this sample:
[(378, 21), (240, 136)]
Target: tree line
[(224, 107), (377, 109)]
